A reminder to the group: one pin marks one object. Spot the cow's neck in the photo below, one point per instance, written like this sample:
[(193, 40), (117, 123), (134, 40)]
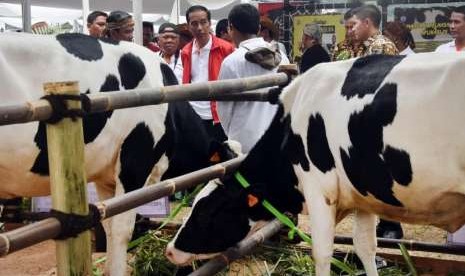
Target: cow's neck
[(270, 173)]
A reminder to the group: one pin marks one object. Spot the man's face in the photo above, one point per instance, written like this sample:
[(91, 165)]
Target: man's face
[(199, 25), (168, 42), (360, 28), (147, 35), (226, 36), (124, 33), (307, 42), (457, 25), (348, 25), (98, 26)]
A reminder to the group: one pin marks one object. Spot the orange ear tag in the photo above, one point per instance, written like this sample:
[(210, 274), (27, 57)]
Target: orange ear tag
[(215, 158), (252, 200)]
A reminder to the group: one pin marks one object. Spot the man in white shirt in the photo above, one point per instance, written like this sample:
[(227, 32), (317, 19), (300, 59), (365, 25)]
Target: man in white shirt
[(246, 121), (457, 31)]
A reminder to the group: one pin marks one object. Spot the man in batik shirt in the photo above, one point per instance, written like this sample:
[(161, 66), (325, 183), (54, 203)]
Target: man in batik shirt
[(349, 47), (365, 23), (366, 20)]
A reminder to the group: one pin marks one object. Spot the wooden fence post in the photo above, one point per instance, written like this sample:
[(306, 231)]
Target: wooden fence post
[(65, 142)]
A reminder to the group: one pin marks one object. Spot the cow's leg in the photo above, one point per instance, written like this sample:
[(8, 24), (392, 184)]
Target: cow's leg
[(104, 192), (322, 222), (116, 230), (365, 240), (121, 227), (134, 164)]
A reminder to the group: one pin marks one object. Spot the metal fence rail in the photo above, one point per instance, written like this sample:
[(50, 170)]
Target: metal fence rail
[(243, 248), (50, 228), (214, 90)]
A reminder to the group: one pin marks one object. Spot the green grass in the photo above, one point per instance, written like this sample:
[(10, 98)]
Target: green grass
[(267, 260), (149, 258)]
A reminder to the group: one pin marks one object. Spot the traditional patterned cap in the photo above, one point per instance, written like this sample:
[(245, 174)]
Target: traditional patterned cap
[(118, 20)]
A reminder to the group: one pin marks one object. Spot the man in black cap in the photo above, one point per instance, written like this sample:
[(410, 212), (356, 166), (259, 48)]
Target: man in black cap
[(120, 26), (168, 40)]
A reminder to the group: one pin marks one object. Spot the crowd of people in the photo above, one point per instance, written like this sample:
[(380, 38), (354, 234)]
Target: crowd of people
[(237, 50)]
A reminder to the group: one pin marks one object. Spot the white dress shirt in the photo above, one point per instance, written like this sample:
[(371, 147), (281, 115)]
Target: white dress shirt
[(407, 51), (448, 48), (176, 66), (199, 73), (245, 122)]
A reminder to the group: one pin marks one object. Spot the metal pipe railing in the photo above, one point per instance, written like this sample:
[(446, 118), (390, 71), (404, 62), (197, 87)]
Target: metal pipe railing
[(50, 228), (40, 110), (244, 247)]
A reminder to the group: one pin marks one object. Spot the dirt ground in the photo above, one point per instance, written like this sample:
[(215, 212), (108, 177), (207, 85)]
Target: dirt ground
[(36, 260), (40, 259)]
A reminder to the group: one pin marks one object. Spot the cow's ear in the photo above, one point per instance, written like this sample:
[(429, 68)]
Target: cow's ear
[(214, 153), (220, 152), (258, 190)]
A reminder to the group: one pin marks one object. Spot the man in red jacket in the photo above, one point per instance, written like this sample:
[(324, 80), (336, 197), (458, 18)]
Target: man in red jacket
[(202, 59)]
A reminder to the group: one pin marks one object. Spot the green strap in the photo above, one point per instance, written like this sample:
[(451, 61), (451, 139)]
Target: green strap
[(280, 216)]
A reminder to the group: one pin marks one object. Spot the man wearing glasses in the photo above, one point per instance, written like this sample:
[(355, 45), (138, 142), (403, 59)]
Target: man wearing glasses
[(120, 26), (202, 59)]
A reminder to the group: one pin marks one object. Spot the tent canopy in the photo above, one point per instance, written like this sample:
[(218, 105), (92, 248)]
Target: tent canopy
[(219, 8)]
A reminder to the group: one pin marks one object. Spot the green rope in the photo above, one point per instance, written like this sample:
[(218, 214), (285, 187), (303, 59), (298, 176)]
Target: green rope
[(280, 216)]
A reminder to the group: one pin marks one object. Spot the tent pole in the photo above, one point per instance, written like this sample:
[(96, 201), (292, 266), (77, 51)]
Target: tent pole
[(85, 13), (26, 14), (137, 13), (174, 17)]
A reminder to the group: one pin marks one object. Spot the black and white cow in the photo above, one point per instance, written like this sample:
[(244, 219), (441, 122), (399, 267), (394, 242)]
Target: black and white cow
[(376, 135), (123, 147)]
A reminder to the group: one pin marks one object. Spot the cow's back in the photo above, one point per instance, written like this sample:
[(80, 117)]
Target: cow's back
[(412, 119), (28, 61)]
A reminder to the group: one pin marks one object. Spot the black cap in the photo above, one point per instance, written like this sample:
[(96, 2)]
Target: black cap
[(168, 27)]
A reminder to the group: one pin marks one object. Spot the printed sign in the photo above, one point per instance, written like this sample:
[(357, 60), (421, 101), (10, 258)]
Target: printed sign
[(156, 208), (427, 22)]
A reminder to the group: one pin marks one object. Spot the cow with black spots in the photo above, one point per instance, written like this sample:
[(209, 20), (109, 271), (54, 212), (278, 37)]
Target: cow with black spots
[(378, 135), (123, 148)]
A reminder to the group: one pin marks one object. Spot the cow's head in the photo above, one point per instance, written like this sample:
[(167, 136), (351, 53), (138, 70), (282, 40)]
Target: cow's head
[(224, 212)]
